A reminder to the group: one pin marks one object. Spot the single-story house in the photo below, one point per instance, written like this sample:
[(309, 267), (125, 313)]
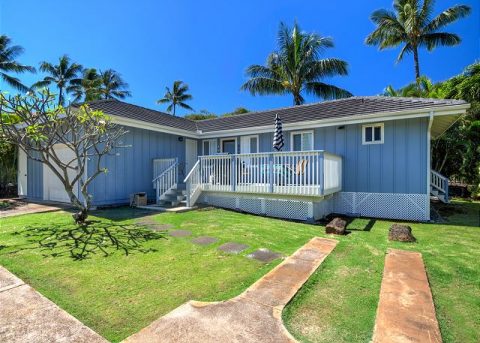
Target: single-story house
[(364, 156)]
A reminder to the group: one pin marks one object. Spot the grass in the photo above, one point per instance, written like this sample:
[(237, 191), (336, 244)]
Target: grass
[(4, 205), (118, 292)]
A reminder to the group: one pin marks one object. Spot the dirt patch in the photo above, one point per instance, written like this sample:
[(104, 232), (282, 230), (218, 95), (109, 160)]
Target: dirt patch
[(233, 248), (180, 233), (204, 240), (264, 255)]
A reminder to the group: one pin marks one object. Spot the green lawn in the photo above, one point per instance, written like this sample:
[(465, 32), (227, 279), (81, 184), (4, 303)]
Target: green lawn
[(150, 274)]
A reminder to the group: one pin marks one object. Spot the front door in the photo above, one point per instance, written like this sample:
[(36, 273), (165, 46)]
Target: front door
[(53, 188), (22, 173), (191, 154)]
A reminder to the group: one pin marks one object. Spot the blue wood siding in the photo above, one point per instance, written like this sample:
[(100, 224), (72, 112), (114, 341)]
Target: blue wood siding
[(130, 169), (399, 165), (34, 179)]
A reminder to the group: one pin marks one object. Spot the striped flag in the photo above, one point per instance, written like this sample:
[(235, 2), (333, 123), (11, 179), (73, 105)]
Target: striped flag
[(278, 135)]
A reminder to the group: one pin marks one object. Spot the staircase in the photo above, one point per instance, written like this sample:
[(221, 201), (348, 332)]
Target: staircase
[(175, 196), (439, 186)]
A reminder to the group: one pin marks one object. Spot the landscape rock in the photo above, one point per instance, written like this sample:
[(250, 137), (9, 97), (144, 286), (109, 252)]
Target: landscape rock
[(336, 226), (401, 233)]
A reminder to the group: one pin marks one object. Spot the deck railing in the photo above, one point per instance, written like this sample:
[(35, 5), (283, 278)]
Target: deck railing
[(300, 173), (440, 183), (166, 180)]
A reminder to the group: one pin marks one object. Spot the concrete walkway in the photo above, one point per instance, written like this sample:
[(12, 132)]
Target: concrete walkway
[(253, 316), (20, 207), (405, 311), (27, 316)]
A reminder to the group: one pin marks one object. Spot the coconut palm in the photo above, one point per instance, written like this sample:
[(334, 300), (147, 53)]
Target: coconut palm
[(89, 87), (423, 88), (411, 25), (176, 97), (113, 85), (8, 64), (295, 68), (64, 75)]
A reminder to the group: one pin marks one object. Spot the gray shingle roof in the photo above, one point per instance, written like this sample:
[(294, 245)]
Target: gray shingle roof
[(343, 108)]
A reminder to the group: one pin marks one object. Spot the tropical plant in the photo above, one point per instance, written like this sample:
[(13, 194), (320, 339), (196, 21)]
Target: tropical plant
[(9, 64), (295, 68), (423, 88), (238, 110), (177, 96), (64, 75), (89, 87), (202, 115), (89, 135), (113, 85), (411, 24)]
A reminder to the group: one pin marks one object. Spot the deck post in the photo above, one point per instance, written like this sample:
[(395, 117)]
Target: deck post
[(233, 172), (321, 170), (270, 171)]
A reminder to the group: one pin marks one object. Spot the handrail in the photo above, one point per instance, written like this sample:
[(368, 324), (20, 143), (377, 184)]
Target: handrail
[(191, 171), (440, 182), (166, 181), (166, 171)]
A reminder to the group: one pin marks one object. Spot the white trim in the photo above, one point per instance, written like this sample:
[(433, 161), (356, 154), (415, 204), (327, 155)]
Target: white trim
[(301, 140), (152, 127), (429, 162), (228, 139), (370, 118), (22, 180), (373, 126), (250, 137)]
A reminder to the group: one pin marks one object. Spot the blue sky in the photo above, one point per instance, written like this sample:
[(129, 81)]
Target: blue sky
[(208, 44)]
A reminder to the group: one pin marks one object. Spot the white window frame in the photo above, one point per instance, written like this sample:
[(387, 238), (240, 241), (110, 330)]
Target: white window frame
[(301, 140), (373, 126), (250, 137), (228, 139), (210, 141)]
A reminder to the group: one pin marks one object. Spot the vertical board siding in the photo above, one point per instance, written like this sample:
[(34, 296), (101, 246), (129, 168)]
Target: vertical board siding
[(34, 178), (399, 165), (130, 169)]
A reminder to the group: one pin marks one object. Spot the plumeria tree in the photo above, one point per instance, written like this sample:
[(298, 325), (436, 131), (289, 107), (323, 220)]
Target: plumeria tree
[(37, 125)]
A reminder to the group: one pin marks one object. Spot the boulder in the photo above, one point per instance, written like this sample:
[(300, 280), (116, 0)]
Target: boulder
[(336, 226), (401, 233)]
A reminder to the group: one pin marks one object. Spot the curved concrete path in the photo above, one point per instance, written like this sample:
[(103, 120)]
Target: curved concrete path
[(27, 316), (253, 316)]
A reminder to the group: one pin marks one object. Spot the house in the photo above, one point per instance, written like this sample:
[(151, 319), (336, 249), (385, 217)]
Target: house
[(363, 156)]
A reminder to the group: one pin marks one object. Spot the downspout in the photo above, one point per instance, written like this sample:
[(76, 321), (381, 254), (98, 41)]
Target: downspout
[(429, 162)]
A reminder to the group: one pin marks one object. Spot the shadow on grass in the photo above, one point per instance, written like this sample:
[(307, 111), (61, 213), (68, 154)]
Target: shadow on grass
[(360, 224), (122, 213), (95, 237)]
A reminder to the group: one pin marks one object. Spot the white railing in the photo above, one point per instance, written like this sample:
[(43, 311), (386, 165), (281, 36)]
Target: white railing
[(439, 182), (300, 173), (193, 182), (166, 181), (160, 165)]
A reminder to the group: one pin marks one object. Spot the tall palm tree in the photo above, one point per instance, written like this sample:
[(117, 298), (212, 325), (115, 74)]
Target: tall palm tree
[(65, 75), (411, 24), (296, 68), (89, 86), (8, 63), (176, 97), (113, 85)]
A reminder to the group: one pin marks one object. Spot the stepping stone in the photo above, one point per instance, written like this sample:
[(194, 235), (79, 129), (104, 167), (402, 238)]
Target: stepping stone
[(405, 310), (180, 233), (232, 247), (336, 226), (264, 255), (204, 240)]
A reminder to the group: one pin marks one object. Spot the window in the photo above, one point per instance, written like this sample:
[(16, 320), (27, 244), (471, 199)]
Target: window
[(372, 134), (229, 145), (302, 141), (209, 147)]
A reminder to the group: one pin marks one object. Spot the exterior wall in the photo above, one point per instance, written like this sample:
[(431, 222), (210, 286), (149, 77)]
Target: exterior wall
[(130, 169), (34, 179), (399, 165)]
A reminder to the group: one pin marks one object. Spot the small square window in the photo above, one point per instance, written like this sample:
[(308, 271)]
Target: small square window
[(372, 134)]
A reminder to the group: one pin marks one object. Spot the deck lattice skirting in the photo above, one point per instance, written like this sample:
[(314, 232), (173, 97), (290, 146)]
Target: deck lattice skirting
[(377, 205)]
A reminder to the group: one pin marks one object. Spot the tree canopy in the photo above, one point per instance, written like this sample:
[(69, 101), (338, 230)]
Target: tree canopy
[(176, 96)]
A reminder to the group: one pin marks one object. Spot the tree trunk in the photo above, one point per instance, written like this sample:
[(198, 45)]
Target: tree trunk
[(417, 65), (297, 99), (60, 96), (174, 107)]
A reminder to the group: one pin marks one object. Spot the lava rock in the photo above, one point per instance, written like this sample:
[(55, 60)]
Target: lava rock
[(401, 233), (336, 226)]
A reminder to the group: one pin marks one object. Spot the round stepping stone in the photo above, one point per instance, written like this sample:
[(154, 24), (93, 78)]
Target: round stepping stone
[(180, 233), (232, 247), (264, 255), (204, 240)]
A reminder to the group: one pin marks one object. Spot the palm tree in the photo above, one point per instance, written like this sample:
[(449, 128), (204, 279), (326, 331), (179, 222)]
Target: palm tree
[(410, 24), (89, 87), (295, 68), (113, 86), (64, 75), (8, 54), (423, 88), (177, 96)]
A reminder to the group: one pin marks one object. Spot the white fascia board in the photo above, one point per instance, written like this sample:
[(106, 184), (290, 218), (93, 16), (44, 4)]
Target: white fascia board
[(152, 127), (369, 118)]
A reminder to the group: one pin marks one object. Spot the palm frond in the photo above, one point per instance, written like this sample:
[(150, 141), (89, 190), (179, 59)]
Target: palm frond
[(264, 86), (432, 40), (326, 91), (448, 16)]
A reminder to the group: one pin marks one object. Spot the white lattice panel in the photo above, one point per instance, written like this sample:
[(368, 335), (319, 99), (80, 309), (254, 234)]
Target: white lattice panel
[(251, 205), (383, 205), (290, 209)]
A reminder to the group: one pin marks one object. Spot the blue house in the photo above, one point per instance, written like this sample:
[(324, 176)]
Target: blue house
[(362, 156)]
